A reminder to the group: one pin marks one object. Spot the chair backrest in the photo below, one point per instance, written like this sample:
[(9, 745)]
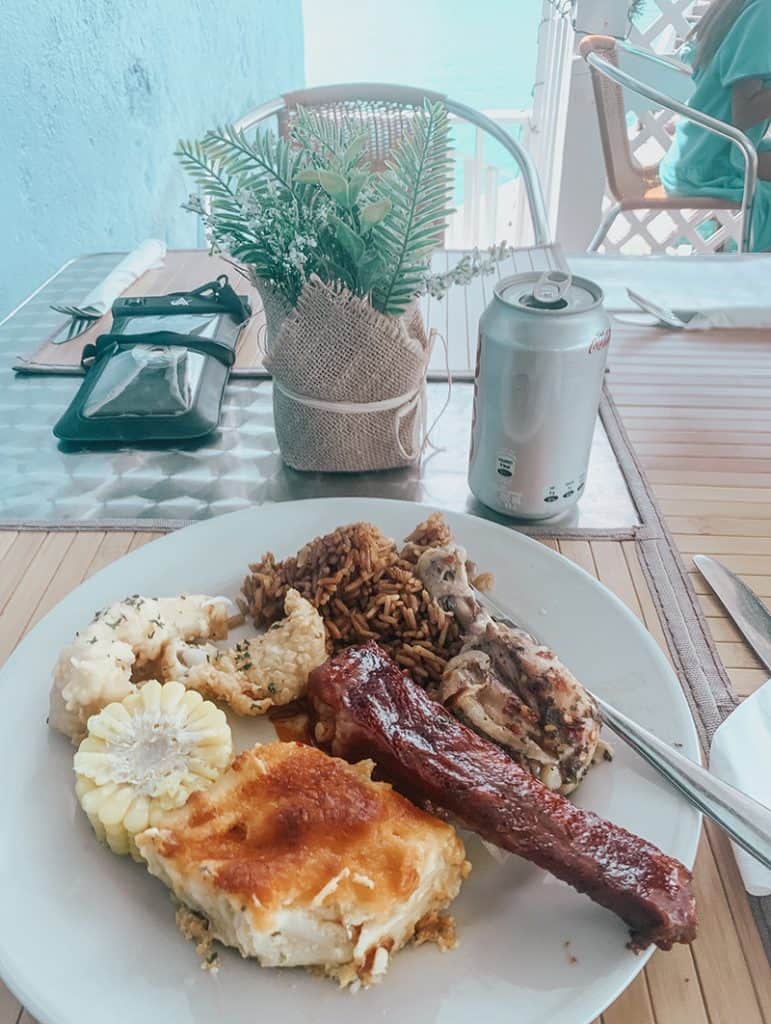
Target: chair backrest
[(667, 74), (386, 111), (627, 177), (383, 111)]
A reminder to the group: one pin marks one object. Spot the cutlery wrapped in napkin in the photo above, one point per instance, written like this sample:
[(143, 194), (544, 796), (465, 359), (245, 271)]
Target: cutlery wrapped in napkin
[(147, 256)]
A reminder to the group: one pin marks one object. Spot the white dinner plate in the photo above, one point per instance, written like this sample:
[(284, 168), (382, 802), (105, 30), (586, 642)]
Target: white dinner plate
[(88, 937)]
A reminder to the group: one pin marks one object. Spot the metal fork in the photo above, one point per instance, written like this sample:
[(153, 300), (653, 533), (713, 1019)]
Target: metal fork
[(72, 330), (80, 312), (745, 820), (661, 313)]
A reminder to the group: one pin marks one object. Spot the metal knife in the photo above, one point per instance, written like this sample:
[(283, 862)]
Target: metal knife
[(745, 608)]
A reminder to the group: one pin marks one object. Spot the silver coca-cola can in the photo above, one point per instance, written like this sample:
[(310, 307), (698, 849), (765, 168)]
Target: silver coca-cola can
[(541, 355)]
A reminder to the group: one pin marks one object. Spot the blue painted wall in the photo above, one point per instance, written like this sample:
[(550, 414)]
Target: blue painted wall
[(93, 97)]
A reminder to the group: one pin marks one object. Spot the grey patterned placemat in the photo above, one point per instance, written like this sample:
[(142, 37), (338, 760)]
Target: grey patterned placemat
[(47, 486)]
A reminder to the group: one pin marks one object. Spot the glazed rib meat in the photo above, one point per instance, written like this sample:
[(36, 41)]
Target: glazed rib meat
[(367, 707)]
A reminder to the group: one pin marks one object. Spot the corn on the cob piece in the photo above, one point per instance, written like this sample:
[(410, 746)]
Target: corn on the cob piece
[(144, 755)]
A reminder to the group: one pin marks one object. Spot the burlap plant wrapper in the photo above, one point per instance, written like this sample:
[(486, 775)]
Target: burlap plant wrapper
[(348, 382)]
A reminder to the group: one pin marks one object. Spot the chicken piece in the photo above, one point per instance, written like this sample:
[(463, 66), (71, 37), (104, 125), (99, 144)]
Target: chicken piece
[(368, 707), (263, 671), (120, 648), (300, 859), (511, 689)]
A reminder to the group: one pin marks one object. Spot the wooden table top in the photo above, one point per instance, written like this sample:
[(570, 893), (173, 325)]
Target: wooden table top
[(697, 409)]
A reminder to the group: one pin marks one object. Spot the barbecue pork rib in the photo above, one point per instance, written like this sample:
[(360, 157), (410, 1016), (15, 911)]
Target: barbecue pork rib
[(368, 708)]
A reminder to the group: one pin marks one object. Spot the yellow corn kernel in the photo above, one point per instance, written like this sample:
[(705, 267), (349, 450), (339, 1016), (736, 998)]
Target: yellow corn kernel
[(144, 756)]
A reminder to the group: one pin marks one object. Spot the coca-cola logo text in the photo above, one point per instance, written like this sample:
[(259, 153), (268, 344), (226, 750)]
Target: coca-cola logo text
[(601, 341)]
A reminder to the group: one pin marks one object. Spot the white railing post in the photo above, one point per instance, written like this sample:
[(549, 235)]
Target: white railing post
[(489, 207), (556, 44), (479, 160), (491, 202), (470, 200)]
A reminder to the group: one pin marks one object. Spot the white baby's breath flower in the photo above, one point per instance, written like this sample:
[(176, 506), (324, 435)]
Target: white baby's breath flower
[(469, 266), (247, 202), (296, 257)]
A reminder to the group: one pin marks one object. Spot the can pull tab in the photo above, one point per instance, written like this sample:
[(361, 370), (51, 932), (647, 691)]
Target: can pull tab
[(550, 289)]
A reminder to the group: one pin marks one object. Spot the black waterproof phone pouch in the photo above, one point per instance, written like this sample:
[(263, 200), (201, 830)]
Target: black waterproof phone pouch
[(160, 374)]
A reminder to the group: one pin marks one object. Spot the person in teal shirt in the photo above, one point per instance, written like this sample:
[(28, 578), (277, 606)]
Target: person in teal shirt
[(730, 52)]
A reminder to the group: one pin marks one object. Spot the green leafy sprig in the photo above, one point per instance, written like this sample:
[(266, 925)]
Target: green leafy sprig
[(416, 189), (312, 204)]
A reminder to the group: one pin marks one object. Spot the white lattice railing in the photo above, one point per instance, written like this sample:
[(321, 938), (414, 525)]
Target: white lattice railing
[(489, 206), (650, 135)]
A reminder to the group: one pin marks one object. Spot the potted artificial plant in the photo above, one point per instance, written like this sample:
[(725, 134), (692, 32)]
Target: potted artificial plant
[(340, 254)]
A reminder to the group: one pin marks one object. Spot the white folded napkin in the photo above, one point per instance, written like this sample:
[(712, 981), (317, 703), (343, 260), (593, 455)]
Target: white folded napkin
[(741, 756), (146, 256), (728, 313), (697, 283)]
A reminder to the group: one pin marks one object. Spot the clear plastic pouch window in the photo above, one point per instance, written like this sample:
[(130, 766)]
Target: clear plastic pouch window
[(159, 375), (146, 381), (197, 325)]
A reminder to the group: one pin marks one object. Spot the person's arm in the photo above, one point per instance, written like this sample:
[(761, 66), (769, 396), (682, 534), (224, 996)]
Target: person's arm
[(750, 102)]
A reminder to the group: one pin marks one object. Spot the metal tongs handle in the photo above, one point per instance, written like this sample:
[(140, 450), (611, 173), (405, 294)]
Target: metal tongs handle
[(746, 821)]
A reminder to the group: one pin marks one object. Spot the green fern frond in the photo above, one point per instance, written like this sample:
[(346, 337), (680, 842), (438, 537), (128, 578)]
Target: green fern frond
[(418, 186), (261, 161), (313, 205), (337, 143), (309, 130), (205, 171)]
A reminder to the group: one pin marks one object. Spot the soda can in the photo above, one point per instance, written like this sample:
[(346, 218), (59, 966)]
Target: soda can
[(541, 355)]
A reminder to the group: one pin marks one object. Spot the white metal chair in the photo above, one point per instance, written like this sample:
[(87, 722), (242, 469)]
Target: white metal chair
[(385, 110), (635, 186)]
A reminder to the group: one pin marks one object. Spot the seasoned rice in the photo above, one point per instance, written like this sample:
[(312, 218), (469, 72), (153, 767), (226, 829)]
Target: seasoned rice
[(364, 588)]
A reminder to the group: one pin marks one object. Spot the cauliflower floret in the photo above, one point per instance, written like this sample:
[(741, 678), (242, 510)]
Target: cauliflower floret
[(125, 641), (258, 673)]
